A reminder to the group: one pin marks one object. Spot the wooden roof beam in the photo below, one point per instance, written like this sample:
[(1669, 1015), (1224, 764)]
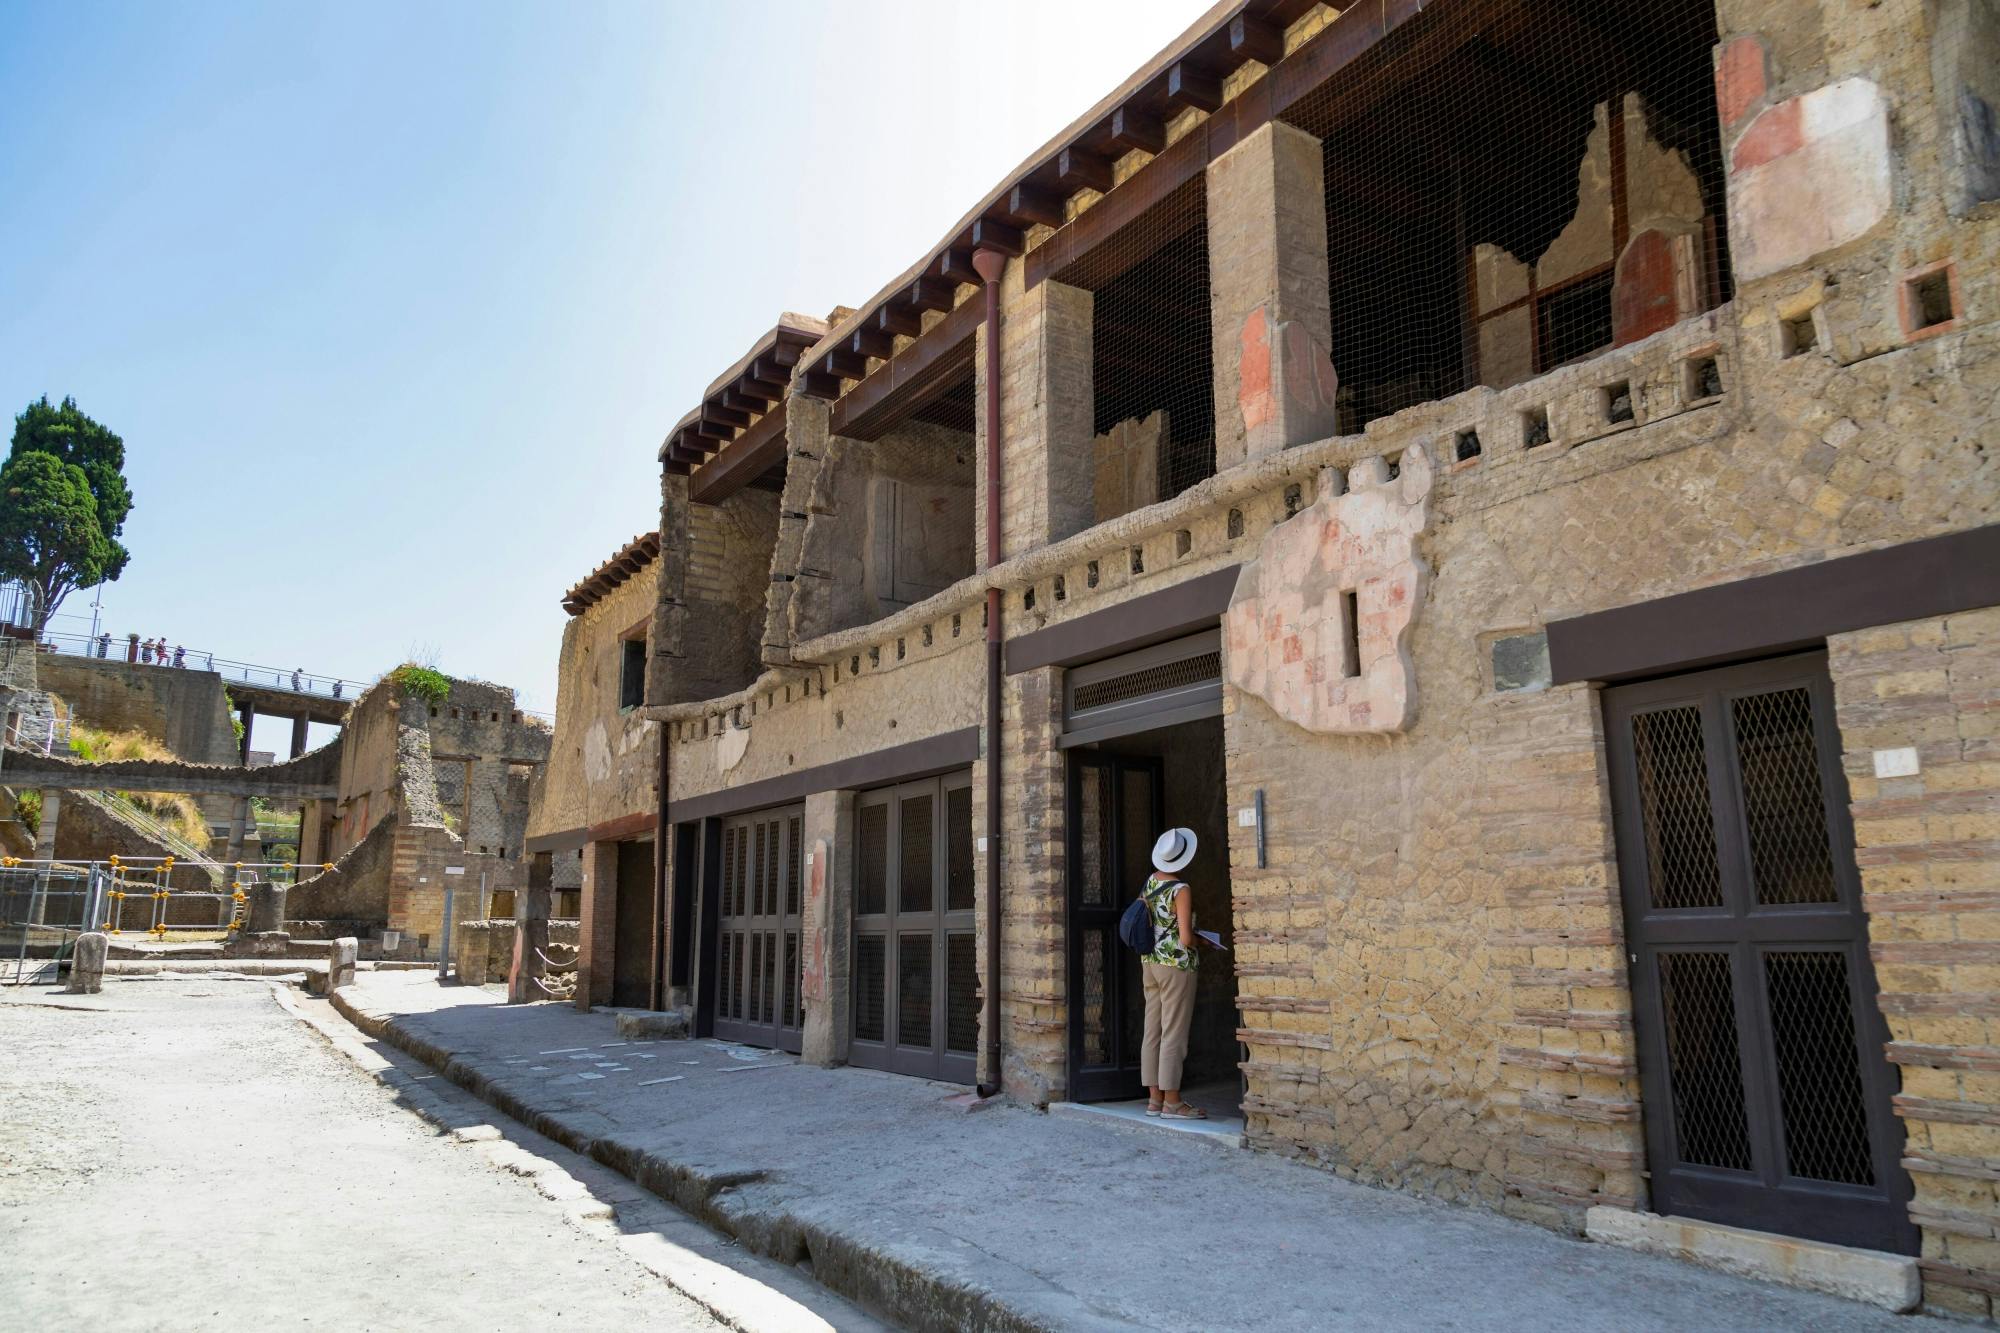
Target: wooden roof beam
[(1081, 169), (1134, 127), (1192, 85)]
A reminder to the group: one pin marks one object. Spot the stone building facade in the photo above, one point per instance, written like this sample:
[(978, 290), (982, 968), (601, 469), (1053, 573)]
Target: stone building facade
[(1576, 638)]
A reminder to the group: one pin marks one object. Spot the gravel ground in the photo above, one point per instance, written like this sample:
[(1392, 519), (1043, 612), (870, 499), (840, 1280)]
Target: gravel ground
[(183, 1153)]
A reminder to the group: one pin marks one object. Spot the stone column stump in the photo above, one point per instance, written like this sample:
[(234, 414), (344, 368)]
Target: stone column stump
[(86, 963)]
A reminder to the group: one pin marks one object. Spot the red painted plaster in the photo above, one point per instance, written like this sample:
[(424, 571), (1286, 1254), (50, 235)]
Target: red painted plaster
[(1740, 79)]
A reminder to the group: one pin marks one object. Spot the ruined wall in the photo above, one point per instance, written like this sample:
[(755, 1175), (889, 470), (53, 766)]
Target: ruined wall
[(890, 523), (728, 578), (603, 759), (183, 709)]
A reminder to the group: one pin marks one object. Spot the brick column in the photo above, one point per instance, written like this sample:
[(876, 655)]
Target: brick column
[(1046, 400), (827, 925), (45, 834), (1927, 844), (1033, 1012), (597, 931), (1271, 320)]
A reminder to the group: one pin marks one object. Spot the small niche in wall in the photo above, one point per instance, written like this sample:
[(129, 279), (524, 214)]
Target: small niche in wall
[(1702, 378), (1520, 662), (1617, 399), (1798, 334), (1930, 301), (1535, 428), (1466, 447)]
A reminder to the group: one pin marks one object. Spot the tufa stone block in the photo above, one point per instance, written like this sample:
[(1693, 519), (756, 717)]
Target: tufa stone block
[(86, 963)]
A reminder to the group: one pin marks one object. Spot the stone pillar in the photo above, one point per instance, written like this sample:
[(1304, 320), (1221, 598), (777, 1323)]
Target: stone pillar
[(247, 715), (265, 909), (531, 932), (1034, 967), (340, 959), (298, 735), (597, 929), (86, 963), (312, 835), (1271, 318), (45, 836), (239, 820), (827, 925), (1046, 403)]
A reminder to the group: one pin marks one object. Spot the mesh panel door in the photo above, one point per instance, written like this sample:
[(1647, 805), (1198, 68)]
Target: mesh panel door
[(758, 959), (1767, 1096)]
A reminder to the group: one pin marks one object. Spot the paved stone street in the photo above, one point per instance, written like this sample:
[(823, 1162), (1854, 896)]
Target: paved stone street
[(1061, 1221), (183, 1153)]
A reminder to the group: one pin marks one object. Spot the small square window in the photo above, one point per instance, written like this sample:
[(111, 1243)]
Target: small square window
[(1618, 402), (1800, 334), (1535, 428), (1928, 299), (1467, 447), (1703, 378)]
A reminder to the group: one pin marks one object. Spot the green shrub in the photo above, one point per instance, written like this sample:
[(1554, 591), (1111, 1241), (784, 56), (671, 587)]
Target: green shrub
[(429, 685)]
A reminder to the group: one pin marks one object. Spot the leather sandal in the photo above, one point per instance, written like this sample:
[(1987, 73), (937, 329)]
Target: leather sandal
[(1153, 1107), (1182, 1111)]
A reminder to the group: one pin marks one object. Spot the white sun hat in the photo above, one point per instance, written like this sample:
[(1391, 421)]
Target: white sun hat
[(1174, 849)]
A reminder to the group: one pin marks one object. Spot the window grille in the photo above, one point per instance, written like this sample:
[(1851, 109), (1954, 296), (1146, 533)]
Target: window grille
[(1483, 177)]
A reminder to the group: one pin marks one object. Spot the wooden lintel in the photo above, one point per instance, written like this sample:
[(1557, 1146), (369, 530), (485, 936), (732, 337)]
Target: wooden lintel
[(784, 354), (740, 399), (766, 378), (747, 458), (1080, 168), (715, 414), (898, 387), (847, 364)]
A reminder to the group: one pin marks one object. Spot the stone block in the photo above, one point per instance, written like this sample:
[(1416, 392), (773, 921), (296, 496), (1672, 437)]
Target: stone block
[(1891, 1281), (340, 959), (86, 963), (650, 1025)]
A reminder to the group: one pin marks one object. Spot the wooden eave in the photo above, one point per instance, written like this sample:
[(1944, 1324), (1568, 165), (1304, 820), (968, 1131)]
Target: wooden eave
[(629, 559), (731, 403), (1188, 73)]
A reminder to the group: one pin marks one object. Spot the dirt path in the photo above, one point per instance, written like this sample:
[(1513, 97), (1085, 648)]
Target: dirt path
[(186, 1154)]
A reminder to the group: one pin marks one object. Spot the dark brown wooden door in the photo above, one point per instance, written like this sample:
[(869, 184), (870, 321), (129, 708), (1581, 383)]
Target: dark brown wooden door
[(632, 948), (915, 965), (1767, 1092), (1116, 812), (757, 995)]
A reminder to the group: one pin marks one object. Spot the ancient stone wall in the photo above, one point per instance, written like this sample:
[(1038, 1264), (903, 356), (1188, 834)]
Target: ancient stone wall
[(185, 710)]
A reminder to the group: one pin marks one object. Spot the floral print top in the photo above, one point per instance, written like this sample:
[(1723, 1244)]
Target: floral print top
[(1168, 951)]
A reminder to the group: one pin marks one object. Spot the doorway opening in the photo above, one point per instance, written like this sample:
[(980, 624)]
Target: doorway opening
[(632, 941), (1124, 792)]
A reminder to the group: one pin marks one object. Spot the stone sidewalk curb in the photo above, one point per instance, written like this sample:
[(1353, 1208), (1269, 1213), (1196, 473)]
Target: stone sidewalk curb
[(889, 1277), (739, 1300)]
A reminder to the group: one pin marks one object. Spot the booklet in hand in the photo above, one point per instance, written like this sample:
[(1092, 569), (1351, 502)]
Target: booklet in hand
[(1214, 940)]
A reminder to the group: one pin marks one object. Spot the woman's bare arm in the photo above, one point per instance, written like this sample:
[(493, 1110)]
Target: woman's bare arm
[(1184, 913)]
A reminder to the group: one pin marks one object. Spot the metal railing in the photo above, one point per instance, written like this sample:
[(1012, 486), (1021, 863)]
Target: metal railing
[(45, 905), (107, 646)]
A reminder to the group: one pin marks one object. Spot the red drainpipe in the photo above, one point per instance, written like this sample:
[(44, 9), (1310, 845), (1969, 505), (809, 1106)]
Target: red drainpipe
[(990, 265)]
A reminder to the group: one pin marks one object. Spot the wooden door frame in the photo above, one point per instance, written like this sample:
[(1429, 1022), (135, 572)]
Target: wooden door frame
[(1101, 1083), (1766, 1197)]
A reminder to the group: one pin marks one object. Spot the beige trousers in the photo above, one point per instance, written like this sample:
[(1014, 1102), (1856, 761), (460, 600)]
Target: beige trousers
[(1169, 1012)]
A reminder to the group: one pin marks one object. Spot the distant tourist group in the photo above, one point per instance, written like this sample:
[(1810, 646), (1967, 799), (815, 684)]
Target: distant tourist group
[(154, 652)]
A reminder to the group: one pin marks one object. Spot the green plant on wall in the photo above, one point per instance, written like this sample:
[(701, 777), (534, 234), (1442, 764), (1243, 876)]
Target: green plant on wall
[(429, 685), (28, 809)]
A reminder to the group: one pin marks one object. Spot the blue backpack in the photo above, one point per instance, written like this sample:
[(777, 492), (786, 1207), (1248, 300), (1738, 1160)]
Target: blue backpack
[(1136, 928)]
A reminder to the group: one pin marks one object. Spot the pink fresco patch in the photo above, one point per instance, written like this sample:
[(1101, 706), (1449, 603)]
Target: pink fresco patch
[(1739, 78), (1777, 132), (1254, 391)]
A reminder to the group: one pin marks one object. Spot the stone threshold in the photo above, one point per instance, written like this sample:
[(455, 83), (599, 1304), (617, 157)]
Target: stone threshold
[(1223, 1131), (1891, 1281)]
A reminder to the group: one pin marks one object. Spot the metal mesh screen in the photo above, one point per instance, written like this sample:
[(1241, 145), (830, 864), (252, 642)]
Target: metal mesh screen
[(958, 894), (1711, 1127), (1150, 680), (1819, 1079), (1784, 811), (913, 990), (955, 406), (760, 979), (1672, 761), (1093, 835), (1096, 1038), (913, 867), (793, 1017), (1484, 173), (793, 858), (870, 985), (871, 890), (1152, 360)]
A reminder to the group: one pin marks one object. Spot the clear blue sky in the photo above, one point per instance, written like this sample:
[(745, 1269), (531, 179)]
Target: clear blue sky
[(393, 303)]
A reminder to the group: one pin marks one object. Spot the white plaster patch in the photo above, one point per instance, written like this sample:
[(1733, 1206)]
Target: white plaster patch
[(597, 753), (1898, 763), (730, 747), (1809, 174)]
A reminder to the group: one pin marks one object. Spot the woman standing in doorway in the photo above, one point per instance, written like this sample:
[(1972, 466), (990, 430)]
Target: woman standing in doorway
[(1168, 975)]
